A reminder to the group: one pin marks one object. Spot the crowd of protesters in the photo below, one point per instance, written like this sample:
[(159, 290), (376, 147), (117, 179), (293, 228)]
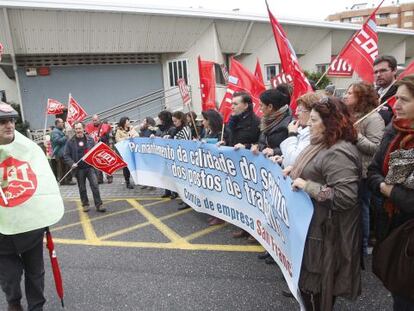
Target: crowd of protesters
[(344, 163)]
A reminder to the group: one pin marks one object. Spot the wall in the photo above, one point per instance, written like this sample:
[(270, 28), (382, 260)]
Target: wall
[(10, 87), (96, 88)]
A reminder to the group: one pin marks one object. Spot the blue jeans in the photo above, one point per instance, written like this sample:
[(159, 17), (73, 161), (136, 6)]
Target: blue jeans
[(364, 201), (90, 174)]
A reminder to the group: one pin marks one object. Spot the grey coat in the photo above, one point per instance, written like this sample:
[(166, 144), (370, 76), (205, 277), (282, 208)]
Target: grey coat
[(370, 134), (331, 259)]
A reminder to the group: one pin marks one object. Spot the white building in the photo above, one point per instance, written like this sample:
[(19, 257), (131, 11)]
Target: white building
[(108, 54)]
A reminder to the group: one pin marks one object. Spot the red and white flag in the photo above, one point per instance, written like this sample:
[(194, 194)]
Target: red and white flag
[(185, 93), (281, 78), (54, 106), (407, 71), (104, 159), (225, 72), (1, 50), (241, 80), (207, 84), (339, 68), (75, 112), (289, 61), (258, 72), (362, 49)]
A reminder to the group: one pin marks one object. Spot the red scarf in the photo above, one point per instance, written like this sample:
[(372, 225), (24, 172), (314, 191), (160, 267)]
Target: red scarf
[(403, 140)]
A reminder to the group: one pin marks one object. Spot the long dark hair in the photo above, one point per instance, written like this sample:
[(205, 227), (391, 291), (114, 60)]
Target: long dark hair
[(180, 116), (215, 120), (122, 122), (337, 121), (166, 117)]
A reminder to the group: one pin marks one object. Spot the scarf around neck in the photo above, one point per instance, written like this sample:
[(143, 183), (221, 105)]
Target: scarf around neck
[(272, 120)]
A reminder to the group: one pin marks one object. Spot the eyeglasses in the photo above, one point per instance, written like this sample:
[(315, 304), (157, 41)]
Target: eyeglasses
[(380, 71), (6, 121)]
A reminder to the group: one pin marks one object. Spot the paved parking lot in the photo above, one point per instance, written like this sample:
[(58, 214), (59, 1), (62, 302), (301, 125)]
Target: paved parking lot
[(144, 254)]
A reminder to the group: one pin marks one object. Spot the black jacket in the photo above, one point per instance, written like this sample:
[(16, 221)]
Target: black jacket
[(71, 154), (244, 129), (276, 135), (386, 111), (401, 197)]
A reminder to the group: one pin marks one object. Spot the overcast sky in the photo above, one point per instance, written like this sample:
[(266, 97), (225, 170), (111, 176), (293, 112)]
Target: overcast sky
[(307, 9)]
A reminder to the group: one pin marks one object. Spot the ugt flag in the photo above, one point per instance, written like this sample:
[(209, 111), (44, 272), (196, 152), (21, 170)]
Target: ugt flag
[(241, 80), (104, 159), (54, 106), (75, 112), (207, 84), (31, 194), (289, 61), (362, 49)]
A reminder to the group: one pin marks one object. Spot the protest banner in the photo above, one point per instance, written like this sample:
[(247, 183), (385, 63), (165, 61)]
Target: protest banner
[(239, 187)]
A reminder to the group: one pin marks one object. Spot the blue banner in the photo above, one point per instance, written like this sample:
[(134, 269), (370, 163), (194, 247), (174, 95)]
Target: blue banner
[(239, 187)]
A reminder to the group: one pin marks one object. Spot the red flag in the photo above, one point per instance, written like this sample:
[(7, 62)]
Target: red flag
[(207, 84), (54, 106), (55, 265), (362, 49), (407, 71), (279, 79), (241, 80), (185, 94), (96, 132), (258, 72), (339, 68), (104, 159), (75, 112), (289, 61)]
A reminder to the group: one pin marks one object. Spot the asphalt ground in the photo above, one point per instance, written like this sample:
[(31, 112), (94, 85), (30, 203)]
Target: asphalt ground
[(144, 254)]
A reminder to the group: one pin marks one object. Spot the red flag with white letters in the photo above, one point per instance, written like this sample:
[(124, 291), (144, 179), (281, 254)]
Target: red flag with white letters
[(207, 84), (281, 78), (362, 49), (75, 112), (104, 159), (54, 106), (289, 61), (241, 80), (339, 68), (185, 93)]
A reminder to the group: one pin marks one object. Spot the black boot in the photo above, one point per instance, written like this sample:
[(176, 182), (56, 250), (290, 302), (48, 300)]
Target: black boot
[(128, 185)]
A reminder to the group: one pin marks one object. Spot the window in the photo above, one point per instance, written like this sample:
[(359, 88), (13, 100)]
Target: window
[(394, 15), (393, 25), (272, 70), (321, 68), (357, 19), (177, 69), (408, 24), (219, 75), (408, 13), (346, 20)]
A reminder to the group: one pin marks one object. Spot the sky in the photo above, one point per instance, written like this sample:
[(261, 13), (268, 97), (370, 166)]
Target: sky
[(306, 9)]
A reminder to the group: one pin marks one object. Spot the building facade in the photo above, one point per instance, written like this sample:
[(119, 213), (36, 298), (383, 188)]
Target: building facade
[(393, 16), (105, 55)]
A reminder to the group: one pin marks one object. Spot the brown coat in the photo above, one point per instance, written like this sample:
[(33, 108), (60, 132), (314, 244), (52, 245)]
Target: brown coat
[(331, 259)]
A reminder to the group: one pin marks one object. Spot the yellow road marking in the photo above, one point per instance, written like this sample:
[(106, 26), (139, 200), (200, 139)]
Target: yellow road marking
[(181, 246), (101, 217), (123, 199), (203, 232), (90, 234), (167, 231), (129, 229)]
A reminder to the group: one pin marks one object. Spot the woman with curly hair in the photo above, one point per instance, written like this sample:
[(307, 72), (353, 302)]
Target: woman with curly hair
[(361, 98), (329, 170)]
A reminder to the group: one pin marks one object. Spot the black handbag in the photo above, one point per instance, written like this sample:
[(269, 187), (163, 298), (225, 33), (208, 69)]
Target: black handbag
[(393, 260)]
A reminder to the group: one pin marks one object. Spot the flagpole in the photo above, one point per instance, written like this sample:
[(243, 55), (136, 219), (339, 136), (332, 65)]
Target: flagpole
[(348, 43), (44, 129), (192, 119), (222, 131), (376, 108)]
